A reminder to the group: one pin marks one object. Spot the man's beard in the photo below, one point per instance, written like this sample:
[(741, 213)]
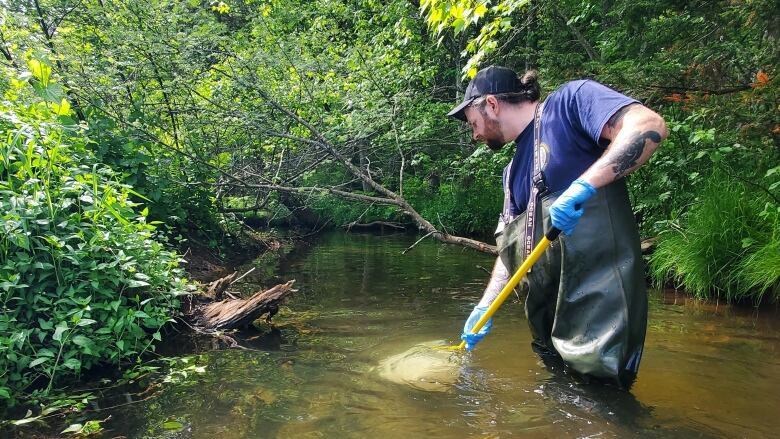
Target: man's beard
[(494, 143)]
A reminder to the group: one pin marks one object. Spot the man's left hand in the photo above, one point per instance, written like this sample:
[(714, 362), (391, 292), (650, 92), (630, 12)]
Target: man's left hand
[(564, 213)]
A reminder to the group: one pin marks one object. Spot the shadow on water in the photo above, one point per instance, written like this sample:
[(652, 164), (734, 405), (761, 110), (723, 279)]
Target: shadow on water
[(594, 402)]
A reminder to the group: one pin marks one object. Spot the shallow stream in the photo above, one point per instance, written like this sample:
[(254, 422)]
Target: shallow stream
[(709, 370)]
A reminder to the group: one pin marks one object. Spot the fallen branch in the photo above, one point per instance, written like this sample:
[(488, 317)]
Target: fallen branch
[(240, 313), (418, 241), (243, 275)]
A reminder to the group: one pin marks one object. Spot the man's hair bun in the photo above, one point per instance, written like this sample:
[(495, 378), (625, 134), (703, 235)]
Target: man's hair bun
[(530, 84)]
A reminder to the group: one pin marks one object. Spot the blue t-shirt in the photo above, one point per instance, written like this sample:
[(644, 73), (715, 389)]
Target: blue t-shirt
[(572, 120)]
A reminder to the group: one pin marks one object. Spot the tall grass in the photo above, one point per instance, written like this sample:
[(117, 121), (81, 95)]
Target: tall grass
[(727, 245)]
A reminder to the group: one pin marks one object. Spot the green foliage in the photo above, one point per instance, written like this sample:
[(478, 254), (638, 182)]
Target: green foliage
[(156, 176), (461, 195), (84, 279), (458, 208), (465, 200), (178, 96), (460, 14), (711, 71), (727, 244)]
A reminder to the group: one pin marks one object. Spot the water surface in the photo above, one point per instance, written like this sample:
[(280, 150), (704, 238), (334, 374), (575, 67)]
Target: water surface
[(709, 370)]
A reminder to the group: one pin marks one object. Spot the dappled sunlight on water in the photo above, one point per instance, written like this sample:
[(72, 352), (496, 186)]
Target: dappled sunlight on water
[(707, 372)]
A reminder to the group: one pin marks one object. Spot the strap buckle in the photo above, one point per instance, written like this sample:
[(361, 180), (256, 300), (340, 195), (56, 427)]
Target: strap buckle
[(540, 184)]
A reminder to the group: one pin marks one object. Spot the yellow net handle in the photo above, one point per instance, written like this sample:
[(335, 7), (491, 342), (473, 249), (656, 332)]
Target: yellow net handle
[(514, 280)]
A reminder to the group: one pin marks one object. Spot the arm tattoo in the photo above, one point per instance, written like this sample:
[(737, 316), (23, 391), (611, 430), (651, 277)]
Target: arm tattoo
[(625, 157)]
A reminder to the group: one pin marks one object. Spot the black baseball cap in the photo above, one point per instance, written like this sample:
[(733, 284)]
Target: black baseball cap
[(488, 81)]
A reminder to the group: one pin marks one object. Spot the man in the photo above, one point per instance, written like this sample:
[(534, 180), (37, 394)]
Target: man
[(586, 303)]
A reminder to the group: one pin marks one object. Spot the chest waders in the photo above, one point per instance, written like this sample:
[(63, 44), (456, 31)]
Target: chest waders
[(586, 296)]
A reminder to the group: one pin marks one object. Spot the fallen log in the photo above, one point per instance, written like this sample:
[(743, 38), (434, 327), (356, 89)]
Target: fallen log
[(240, 313)]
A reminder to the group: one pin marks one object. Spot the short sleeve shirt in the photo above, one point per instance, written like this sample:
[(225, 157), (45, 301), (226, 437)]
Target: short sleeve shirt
[(572, 120)]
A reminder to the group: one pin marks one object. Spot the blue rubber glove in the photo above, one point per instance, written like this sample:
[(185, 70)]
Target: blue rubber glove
[(563, 213), (472, 339)]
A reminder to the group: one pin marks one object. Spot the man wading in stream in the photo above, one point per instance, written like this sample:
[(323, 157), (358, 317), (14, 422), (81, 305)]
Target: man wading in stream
[(586, 304)]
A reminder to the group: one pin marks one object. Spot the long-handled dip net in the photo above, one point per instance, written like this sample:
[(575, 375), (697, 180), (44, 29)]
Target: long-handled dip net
[(435, 365)]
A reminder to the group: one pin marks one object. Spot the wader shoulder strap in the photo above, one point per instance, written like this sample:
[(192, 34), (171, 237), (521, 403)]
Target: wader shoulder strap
[(506, 211), (538, 185)]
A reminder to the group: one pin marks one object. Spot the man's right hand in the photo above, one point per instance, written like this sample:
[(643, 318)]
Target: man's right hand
[(470, 338)]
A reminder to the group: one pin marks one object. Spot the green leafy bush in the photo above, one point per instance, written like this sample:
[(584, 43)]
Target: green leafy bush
[(458, 208), (727, 244), (83, 278)]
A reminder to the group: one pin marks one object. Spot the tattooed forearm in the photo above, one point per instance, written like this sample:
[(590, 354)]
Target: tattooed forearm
[(634, 134), (624, 157)]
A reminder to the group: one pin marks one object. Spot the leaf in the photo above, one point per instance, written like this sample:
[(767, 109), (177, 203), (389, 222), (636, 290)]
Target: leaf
[(63, 108), (134, 283), (39, 70), (81, 340), (73, 428), (456, 11), (480, 10), (25, 420), (172, 425), (38, 361), (86, 322), (61, 327), (122, 220), (72, 363), (459, 24), (50, 93), (92, 427), (138, 195)]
